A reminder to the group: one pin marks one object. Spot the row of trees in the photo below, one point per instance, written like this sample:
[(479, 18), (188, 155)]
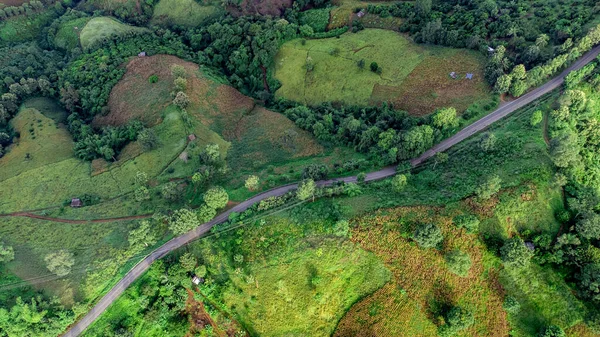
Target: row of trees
[(27, 8)]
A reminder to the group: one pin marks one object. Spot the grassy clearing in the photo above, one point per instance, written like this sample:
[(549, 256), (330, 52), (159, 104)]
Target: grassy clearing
[(48, 107), (32, 239), (188, 13), (545, 300), (410, 305), (53, 183), (414, 78), (103, 27), (42, 142), (67, 36), (343, 12)]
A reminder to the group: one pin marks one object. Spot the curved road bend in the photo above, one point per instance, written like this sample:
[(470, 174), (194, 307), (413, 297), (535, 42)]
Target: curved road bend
[(182, 240)]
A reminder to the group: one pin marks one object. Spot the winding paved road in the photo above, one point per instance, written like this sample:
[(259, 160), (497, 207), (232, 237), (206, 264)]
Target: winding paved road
[(184, 239)]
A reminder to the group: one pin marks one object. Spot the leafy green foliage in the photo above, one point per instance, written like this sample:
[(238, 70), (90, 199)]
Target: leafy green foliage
[(457, 319), (511, 305), (458, 262), (183, 220), (60, 262), (428, 235), (489, 187), (306, 189), (552, 331), (399, 181), (317, 19), (216, 197), (469, 222), (515, 254)]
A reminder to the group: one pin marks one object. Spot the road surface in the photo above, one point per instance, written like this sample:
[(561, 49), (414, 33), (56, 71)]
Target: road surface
[(182, 240)]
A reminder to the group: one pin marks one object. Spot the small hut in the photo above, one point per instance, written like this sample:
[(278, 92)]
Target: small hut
[(361, 13), (76, 202), (469, 76), (530, 245), (142, 54), (197, 280), (192, 137), (453, 75)]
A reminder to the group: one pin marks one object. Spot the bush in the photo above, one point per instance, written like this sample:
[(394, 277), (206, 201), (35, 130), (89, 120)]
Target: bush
[(469, 222), (457, 319), (428, 236), (216, 197), (489, 187), (60, 263), (514, 253), (458, 262), (511, 305), (317, 19), (552, 331), (153, 79), (399, 182), (315, 172)]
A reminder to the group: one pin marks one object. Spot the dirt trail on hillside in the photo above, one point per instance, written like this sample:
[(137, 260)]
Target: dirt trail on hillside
[(75, 221)]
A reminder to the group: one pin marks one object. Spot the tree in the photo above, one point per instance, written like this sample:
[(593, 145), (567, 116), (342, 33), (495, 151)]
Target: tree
[(511, 305), (180, 84), (564, 149), (211, 154), (489, 187), (216, 197), (399, 181), (440, 158), (458, 262), (60, 263), (445, 118), (142, 236), (188, 261), (206, 213), (536, 118), (488, 142), (589, 226), (177, 70), (7, 253), (306, 189), (141, 193), (315, 172), (361, 63), (515, 254), (519, 73), (468, 222), (148, 139), (457, 319), (170, 191), (181, 100), (518, 88), (374, 67), (200, 271), (182, 221), (589, 281), (552, 331), (503, 84), (360, 178), (423, 7), (428, 235), (252, 183)]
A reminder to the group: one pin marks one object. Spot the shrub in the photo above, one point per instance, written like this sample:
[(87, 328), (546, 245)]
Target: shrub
[(511, 305), (458, 262), (536, 118), (374, 66), (457, 319), (514, 253), (317, 19), (252, 183), (315, 172), (399, 182), (469, 222), (552, 331), (428, 236), (216, 197), (60, 263), (589, 281), (489, 187), (153, 79)]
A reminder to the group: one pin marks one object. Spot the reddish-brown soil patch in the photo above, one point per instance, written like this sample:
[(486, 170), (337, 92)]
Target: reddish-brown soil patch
[(135, 97), (429, 85), (260, 7), (409, 304)]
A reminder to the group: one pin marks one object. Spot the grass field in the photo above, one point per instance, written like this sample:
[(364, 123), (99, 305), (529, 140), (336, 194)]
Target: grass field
[(188, 13), (410, 304), (67, 35), (103, 27), (42, 142), (415, 78)]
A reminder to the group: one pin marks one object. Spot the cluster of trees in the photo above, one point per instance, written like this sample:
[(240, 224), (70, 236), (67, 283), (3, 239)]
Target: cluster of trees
[(27, 8), (105, 143), (389, 135)]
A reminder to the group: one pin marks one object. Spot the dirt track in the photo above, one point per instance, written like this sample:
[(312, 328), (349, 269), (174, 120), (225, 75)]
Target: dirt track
[(199, 231)]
